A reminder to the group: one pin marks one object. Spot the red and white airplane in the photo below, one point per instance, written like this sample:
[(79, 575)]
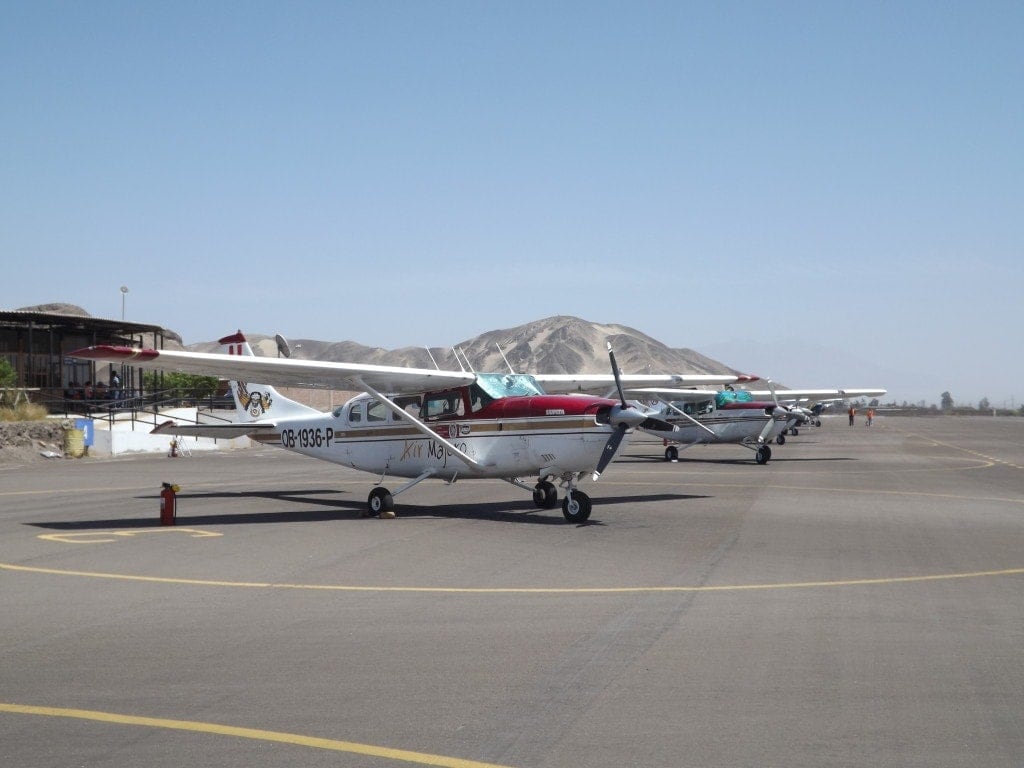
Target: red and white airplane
[(413, 423)]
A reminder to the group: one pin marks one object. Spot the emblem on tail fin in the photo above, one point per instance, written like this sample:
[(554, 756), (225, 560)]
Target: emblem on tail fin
[(255, 402)]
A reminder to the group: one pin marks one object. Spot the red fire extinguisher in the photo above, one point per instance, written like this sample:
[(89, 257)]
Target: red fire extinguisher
[(168, 503)]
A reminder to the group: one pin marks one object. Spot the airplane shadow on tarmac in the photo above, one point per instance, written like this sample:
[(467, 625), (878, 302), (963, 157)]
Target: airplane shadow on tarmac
[(333, 509)]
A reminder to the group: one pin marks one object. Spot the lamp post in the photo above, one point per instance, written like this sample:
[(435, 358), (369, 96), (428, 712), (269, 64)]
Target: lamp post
[(124, 292)]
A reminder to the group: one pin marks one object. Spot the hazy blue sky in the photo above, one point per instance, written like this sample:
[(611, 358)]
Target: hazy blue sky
[(829, 193)]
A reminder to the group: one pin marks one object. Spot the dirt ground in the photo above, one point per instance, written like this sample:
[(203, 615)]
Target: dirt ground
[(27, 441)]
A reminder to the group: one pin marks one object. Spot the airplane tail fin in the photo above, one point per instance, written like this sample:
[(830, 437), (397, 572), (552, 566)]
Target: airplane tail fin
[(259, 402)]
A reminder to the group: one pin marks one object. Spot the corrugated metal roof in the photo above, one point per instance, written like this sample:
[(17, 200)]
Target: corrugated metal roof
[(53, 319)]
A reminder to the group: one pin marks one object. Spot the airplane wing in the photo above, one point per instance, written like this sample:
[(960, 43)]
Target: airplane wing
[(601, 383), (282, 371), (676, 395), (816, 395)]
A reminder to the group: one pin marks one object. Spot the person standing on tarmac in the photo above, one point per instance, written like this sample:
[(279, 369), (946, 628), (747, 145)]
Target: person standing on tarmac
[(852, 412)]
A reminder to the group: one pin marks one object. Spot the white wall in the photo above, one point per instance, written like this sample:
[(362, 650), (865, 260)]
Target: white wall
[(126, 436)]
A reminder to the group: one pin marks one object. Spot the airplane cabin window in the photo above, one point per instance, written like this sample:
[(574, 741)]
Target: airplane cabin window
[(376, 411), (408, 403), (355, 414), (442, 404)]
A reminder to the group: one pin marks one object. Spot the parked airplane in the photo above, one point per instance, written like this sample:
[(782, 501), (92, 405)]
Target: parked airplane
[(807, 404), (413, 423), (697, 415), (709, 416)]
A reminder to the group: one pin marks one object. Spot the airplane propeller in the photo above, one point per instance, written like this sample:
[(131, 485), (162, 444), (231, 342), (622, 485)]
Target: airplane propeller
[(624, 416), (771, 422)]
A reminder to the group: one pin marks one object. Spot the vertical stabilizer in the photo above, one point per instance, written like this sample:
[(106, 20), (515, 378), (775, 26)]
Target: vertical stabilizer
[(258, 401)]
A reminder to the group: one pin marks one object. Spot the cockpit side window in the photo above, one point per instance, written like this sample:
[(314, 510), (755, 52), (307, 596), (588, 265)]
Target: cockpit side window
[(355, 413)]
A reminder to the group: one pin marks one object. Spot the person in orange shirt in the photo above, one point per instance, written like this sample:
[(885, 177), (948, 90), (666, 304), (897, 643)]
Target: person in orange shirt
[(852, 412), (871, 416)]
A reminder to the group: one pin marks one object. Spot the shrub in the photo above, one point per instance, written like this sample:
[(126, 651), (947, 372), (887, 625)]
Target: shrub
[(23, 412)]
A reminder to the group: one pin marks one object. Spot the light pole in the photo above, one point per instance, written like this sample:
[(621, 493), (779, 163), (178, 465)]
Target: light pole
[(124, 292)]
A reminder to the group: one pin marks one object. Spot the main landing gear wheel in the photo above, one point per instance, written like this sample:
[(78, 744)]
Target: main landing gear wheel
[(380, 502), (576, 507), (781, 439), (671, 453), (763, 454), (545, 495)]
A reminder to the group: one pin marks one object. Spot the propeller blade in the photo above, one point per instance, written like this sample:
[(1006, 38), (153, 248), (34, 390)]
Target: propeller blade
[(615, 373), (609, 450), (660, 425)]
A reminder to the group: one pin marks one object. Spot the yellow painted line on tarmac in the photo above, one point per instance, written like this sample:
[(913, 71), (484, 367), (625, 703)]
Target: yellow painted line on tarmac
[(955, 447), (515, 590), (294, 739), (57, 491)]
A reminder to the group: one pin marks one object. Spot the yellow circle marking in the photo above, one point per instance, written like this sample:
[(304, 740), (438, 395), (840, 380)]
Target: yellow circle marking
[(106, 537), (514, 590), (294, 739)]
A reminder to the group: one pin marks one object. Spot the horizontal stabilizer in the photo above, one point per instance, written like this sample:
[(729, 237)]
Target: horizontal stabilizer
[(218, 431)]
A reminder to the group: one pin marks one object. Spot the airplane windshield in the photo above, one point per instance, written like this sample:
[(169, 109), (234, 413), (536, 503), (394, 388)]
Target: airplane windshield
[(499, 385)]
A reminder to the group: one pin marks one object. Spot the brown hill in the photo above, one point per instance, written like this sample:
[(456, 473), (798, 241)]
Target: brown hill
[(560, 344)]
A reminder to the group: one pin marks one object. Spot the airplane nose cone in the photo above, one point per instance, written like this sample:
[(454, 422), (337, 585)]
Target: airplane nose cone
[(631, 417)]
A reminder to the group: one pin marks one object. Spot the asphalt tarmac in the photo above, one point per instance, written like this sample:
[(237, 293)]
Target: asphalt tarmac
[(857, 601)]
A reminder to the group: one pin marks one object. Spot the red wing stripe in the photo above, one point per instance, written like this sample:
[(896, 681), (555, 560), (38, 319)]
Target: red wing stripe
[(105, 352)]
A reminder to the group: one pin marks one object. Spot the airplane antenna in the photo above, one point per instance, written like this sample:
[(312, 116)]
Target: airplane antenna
[(467, 360), (432, 358), (461, 366), (510, 368)]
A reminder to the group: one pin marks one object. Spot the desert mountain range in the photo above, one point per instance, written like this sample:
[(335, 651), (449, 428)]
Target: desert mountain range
[(560, 344)]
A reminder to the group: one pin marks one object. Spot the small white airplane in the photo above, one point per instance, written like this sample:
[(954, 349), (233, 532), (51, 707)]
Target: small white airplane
[(413, 423), (701, 416), (807, 404), (697, 416)]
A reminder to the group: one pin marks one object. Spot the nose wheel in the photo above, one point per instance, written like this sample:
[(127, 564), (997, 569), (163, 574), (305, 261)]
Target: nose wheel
[(576, 506), (763, 454)]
